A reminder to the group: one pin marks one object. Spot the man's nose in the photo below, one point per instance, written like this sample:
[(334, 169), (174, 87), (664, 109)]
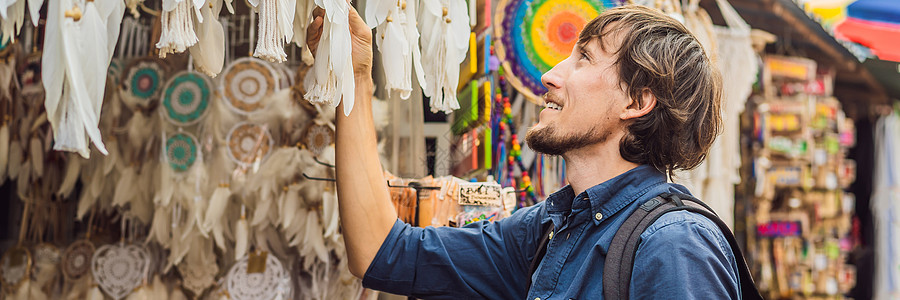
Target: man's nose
[(551, 79)]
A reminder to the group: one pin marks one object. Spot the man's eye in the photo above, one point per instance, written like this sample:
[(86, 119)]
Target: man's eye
[(584, 55)]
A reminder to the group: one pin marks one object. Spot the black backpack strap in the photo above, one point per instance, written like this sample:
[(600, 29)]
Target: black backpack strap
[(620, 257), (539, 253)]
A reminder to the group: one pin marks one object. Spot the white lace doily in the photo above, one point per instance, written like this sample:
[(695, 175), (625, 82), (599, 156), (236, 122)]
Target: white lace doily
[(45, 255), (14, 266), (119, 268), (76, 261), (258, 286)]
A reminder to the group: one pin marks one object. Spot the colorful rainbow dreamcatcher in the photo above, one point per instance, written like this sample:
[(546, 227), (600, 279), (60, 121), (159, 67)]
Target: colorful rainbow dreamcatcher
[(246, 82), (186, 98), (535, 35)]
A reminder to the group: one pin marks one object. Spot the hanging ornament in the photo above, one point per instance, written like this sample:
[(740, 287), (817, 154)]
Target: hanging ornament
[(209, 51), (247, 82), (181, 151), (444, 26), (276, 22), (78, 45), (263, 280), (318, 137), (12, 16), (186, 98), (142, 83), (46, 260), (177, 26), (119, 268), (76, 260), (397, 39), (249, 143), (331, 78), (537, 35), (15, 268)]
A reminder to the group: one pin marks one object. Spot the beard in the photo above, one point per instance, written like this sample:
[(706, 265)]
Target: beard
[(547, 141)]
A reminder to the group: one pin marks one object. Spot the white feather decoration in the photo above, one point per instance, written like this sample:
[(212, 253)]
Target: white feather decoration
[(290, 205), (302, 18), (209, 51), (330, 214), (36, 156), (218, 202), (94, 293), (444, 25), (125, 188), (15, 160), (242, 238), (34, 7), (177, 27), (73, 168), (11, 18), (397, 39), (331, 76), (229, 6)]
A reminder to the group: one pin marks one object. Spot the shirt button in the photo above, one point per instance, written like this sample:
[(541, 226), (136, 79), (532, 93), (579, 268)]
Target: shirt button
[(598, 216), (537, 298), (551, 237)]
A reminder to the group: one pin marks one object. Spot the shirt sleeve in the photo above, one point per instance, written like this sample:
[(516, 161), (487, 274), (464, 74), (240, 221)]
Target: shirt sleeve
[(481, 260), (684, 255)]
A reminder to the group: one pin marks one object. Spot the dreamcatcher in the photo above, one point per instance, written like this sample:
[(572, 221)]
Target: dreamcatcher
[(262, 278), (249, 143), (119, 268), (318, 137), (143, 83), (246, 83), (76, 260), (15, 268), (535, 35), (186, 98), (182, 151)]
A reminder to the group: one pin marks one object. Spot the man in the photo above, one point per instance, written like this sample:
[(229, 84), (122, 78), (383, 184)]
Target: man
[(636, 99)]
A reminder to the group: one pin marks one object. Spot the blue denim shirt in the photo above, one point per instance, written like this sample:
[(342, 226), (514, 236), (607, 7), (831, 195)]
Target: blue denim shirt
[(682, 255)]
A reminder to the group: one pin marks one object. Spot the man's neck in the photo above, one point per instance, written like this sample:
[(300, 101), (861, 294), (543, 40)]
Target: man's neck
[(593, 165)]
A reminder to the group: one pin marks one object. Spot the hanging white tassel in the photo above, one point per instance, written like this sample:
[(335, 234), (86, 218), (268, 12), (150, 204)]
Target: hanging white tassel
[(331, 77), (445, 31), (275, 29), (242, 236), (177, 27)]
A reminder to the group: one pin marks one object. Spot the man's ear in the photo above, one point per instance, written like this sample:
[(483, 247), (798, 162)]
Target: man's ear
[(635, 110)]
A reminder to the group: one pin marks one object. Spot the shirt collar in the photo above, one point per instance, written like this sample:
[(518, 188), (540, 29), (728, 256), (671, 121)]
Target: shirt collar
[(610, 196)]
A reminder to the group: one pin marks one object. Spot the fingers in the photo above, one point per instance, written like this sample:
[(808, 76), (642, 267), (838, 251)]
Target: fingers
[(357, 26), (314, 31)]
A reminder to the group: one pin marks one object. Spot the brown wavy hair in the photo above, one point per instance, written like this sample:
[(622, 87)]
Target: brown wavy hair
[(658, 54)]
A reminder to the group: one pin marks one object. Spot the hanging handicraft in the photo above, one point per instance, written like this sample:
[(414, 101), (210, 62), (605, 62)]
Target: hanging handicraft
[(181, 151), (46, 259), (142, 83), (76, 261), (186, 98), (318, 137), (249, 143), (263, 281), (247, 82), (535, 35), (119, 268), (15, 266)]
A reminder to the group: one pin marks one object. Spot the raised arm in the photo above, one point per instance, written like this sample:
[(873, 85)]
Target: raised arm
[(367, 214)]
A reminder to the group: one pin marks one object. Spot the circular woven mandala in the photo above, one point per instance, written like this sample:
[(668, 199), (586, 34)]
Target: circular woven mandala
[(250, 286), (15, 265), (535, 35), (76, 261), (181, 151), (318, 137), (142, 82), (248, 143), (246, 82), (119, 269), (186, 98)]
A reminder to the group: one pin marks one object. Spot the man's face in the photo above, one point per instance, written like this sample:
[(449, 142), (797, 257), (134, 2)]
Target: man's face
[(583, 102)]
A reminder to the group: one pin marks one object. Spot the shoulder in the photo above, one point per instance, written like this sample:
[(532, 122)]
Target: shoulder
[(688, 228)]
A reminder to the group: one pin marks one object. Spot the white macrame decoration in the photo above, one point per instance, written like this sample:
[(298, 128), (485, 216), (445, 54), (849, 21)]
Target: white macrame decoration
[(119, 268), (177, 25), (276, 22), (78, 46), (331, 76), (444, 25), (397, 39), (273, 282)]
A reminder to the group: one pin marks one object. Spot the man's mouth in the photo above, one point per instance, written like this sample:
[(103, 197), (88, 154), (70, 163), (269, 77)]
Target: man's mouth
[(548, 103)]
